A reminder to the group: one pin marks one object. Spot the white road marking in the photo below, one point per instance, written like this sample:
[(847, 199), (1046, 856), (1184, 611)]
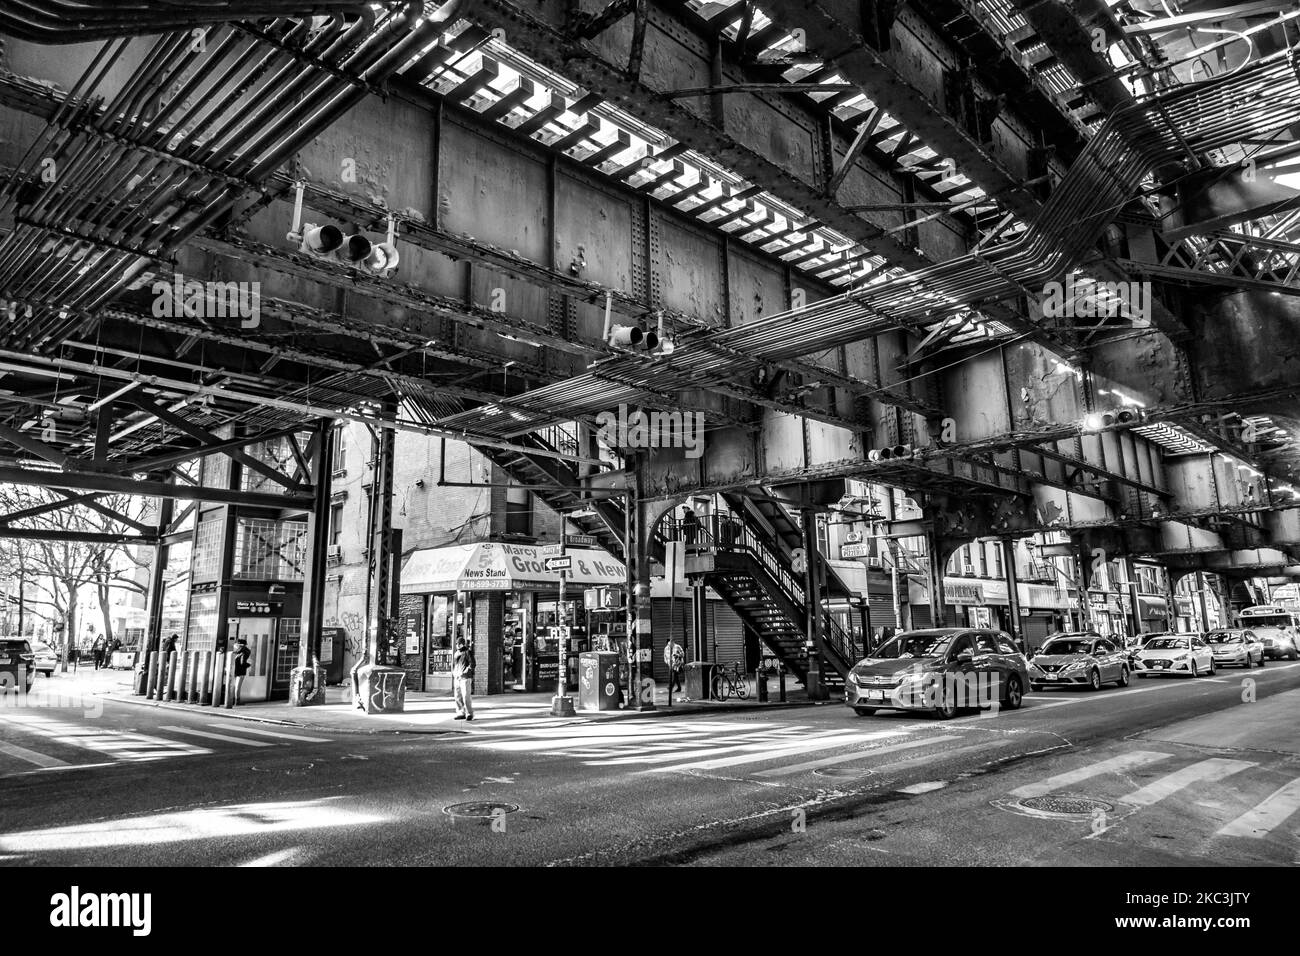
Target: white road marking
[(211, 736), (1119, 764), (116, 744), (272, 859), (1268, 814), (809, 746), (31, 756), (856, 755), (926, 787), (1208, 771), (276, 733)]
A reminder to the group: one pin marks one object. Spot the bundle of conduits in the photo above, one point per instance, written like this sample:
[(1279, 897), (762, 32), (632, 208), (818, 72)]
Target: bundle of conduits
[(1250, 104), (77, 21), (172, 150)]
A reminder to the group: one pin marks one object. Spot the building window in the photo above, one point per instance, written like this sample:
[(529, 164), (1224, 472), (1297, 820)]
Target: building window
[(202, 633), (336, 523), (519, 510), (267, 550), (997, 560), (982, 549), (967, 564), (207, 549), (338, 460), (823, 535)]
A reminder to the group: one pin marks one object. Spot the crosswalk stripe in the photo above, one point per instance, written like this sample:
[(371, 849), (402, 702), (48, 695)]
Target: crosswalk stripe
[(276, 733), (31, 756), (1208, 771), (784, 742), (225, 737), (1269, 813), (117, 744), (1118, 764), (823, 743), (856, 755)]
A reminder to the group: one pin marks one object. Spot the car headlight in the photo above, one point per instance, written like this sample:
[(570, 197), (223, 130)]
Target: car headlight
[(1181, 657), (1075, 665)]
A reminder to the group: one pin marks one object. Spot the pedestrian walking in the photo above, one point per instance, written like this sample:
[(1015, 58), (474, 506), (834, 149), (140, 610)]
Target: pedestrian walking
[(462, 674), (97, 649), (675, 658), (239, 661)]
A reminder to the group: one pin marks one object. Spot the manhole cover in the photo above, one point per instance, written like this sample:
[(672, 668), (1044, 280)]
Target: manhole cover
[(1066, 806), (843, 773), (484, 811)]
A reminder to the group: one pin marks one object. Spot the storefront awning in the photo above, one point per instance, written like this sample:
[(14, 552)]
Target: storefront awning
[(494, 566)]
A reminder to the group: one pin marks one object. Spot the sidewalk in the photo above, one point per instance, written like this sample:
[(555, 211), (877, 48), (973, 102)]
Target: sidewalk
[(433, 713)]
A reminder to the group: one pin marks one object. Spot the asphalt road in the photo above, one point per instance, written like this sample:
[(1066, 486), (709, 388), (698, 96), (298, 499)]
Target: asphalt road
[(1190, 772)]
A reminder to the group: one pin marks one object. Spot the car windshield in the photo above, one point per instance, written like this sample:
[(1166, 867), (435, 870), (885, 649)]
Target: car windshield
[(1223, 637), (916, 644), (1167, 644), (1066, 645)]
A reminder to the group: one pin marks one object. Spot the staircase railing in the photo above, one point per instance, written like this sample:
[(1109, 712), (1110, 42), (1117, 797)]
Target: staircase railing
[(725, 531)]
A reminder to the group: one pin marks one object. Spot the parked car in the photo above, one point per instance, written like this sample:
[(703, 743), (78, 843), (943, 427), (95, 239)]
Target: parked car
[(1183, 655), (15, 655), (1278, 642), (940, 670), (1235, 646), (1142, 640), (47, 658), (1082, 658)]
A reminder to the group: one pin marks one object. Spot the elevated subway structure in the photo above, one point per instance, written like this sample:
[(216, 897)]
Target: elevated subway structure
[(844, 257)]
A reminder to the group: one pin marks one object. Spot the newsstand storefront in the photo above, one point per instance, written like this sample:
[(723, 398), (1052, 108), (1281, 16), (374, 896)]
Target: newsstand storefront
[(502, 598)]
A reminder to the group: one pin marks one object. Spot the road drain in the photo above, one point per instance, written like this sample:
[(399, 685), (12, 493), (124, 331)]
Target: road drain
[(479, 811), (841, 773), (1061, 806)]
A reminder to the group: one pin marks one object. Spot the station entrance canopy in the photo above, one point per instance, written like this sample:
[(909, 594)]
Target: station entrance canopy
[(494, 566)]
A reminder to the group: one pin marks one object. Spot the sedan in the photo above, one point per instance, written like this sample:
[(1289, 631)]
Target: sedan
[(1083, 659), (1235, 647), (940, 670), (47, 658), (1277, 643), (1186, 655)]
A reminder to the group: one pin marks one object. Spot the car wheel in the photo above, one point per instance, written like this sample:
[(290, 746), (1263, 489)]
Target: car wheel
[(1293, 656), (947, 708), (1211, 668), (1123, 677), (1015, 693), (1094, 680), (1262, 659), (1195, 671), (864, 711)]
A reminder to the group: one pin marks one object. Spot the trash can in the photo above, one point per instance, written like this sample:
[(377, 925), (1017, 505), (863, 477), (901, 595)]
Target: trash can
[(699, 680), (598, 680)]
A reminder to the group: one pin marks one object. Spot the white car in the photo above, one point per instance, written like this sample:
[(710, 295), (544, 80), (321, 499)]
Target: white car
[(1182, 655), (46, 658), (1235, 646), (1278, 642)]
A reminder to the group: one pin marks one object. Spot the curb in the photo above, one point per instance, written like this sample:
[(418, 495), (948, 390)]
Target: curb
[(661, 710)]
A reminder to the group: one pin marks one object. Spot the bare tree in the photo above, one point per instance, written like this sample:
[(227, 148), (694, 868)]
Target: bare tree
[(56, 570)]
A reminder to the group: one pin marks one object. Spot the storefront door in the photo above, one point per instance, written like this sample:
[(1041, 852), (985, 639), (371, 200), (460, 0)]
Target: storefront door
[(259, 633)]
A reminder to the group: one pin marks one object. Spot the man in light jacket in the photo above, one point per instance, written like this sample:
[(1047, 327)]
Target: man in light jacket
[(462, 674)]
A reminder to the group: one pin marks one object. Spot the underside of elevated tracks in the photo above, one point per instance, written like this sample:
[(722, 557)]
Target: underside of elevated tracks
[(1034, 264)]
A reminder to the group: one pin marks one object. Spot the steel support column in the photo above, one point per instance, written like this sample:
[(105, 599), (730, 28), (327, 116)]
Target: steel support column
[(311, 690), (157, 585), (1015, 625), (812, 600), (380, 546)]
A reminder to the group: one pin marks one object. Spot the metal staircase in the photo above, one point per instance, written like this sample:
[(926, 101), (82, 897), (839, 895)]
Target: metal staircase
[(744, 554)]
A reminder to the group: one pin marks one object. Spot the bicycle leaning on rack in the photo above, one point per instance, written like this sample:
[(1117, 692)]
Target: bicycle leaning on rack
[(729, 681)]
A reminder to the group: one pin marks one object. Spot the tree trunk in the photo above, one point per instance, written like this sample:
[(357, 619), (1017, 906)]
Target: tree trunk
[(104, 594)]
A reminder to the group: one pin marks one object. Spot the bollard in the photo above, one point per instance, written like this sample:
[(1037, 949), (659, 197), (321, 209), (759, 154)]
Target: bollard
[(156, 666), (182, 685), (192, 687), (173, 666), (219, 679), (781, 674), (229, 687), (150, 672), (205, 680), (760, 685)]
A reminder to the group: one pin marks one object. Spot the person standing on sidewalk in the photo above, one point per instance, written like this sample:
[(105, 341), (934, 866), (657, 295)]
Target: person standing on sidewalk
[(675, 658), (239, 663), (462, 673), (97, 649)]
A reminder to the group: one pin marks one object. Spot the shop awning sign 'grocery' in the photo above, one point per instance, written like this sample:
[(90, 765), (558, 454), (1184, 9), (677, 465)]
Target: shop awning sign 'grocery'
[(493, 566)]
